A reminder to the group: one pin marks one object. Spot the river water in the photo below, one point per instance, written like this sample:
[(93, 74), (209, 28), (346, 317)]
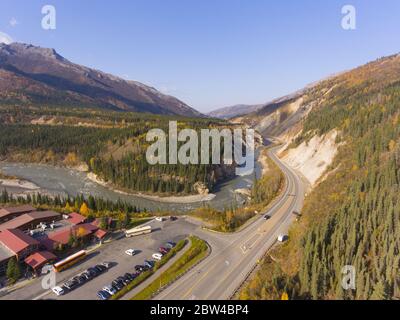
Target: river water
[(63, 181)]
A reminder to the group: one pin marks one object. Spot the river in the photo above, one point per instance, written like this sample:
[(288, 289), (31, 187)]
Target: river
[(63, 181)]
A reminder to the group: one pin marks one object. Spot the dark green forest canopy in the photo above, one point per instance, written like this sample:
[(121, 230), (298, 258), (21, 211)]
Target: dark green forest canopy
[(112, 144)]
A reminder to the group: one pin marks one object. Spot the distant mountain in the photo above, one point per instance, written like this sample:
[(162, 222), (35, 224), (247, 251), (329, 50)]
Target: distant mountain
[(234, 111), (31, 75)]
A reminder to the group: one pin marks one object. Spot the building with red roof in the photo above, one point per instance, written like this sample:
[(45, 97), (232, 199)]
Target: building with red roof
[(85, 231), (31, 220), (39, 259), (76, 218), (15, 243), (19, 243), (13, 212)]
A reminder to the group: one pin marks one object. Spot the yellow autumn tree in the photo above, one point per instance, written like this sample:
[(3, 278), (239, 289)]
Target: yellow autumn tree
[(80, 232), (285, 296), (68, 207), (84, 210)]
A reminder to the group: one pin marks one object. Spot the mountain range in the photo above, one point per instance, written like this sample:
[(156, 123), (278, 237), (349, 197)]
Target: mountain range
[(31, 75)]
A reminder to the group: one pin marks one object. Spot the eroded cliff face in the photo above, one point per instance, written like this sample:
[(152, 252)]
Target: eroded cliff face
[(312, 158)]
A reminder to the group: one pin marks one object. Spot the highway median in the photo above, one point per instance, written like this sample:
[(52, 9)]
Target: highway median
[(197, 252)]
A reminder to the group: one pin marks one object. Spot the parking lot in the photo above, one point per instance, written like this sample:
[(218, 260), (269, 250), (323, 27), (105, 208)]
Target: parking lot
[(112, 252)]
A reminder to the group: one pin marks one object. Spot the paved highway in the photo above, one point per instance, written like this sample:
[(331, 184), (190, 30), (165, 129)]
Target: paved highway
[(235, 255)]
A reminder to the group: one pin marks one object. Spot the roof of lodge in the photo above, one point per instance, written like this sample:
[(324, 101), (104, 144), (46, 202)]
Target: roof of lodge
[(12, 210), (76, 218), (39, 258), (16, 240), (27, 218), (62, 236), (5, 253)]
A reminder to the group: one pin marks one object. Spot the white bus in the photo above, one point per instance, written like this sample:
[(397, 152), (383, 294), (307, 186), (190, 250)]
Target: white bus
[(138, 231)]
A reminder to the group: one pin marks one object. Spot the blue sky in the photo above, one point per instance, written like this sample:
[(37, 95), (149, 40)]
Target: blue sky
[(211, 53)]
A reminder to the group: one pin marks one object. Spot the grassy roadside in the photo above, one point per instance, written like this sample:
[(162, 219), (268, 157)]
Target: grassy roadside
[(264, 191), (143, 276), (196, 252)]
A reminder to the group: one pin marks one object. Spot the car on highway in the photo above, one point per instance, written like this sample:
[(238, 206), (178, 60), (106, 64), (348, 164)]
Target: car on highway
[(103, 295), (160, 219), (173, 218), (283, 238), (131, 252), (267, 217), (58, 291), (157, 256), (110, 290)]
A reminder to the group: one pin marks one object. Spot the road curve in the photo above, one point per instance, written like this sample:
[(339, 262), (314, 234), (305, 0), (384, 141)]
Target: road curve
[(235, 255)]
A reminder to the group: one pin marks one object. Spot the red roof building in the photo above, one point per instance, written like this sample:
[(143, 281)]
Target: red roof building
[(39, 259), (30, 220), (76, 218), (85, 230), (19, 243), (13, 212), (100, 234)]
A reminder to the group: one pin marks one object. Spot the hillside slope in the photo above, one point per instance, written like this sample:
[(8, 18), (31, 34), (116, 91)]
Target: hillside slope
[(31, 75), (352, 215)]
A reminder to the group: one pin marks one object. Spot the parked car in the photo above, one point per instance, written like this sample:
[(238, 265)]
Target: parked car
[(125, 281), (149, 263), (58, 291), (93, 272), (110, 290), (87, 275), (128, 276), (103, 295), (100, 268), (118, 284), (139, 268), (71, 284), (173, 218), (107, 264), (163, 250), (267, 217), (82, 279), (161, 219), (131, 252), (157, 256), (170, 244)]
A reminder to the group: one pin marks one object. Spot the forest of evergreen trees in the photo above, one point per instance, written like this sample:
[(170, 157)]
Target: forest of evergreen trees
[(351, 218), (113, 147)]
